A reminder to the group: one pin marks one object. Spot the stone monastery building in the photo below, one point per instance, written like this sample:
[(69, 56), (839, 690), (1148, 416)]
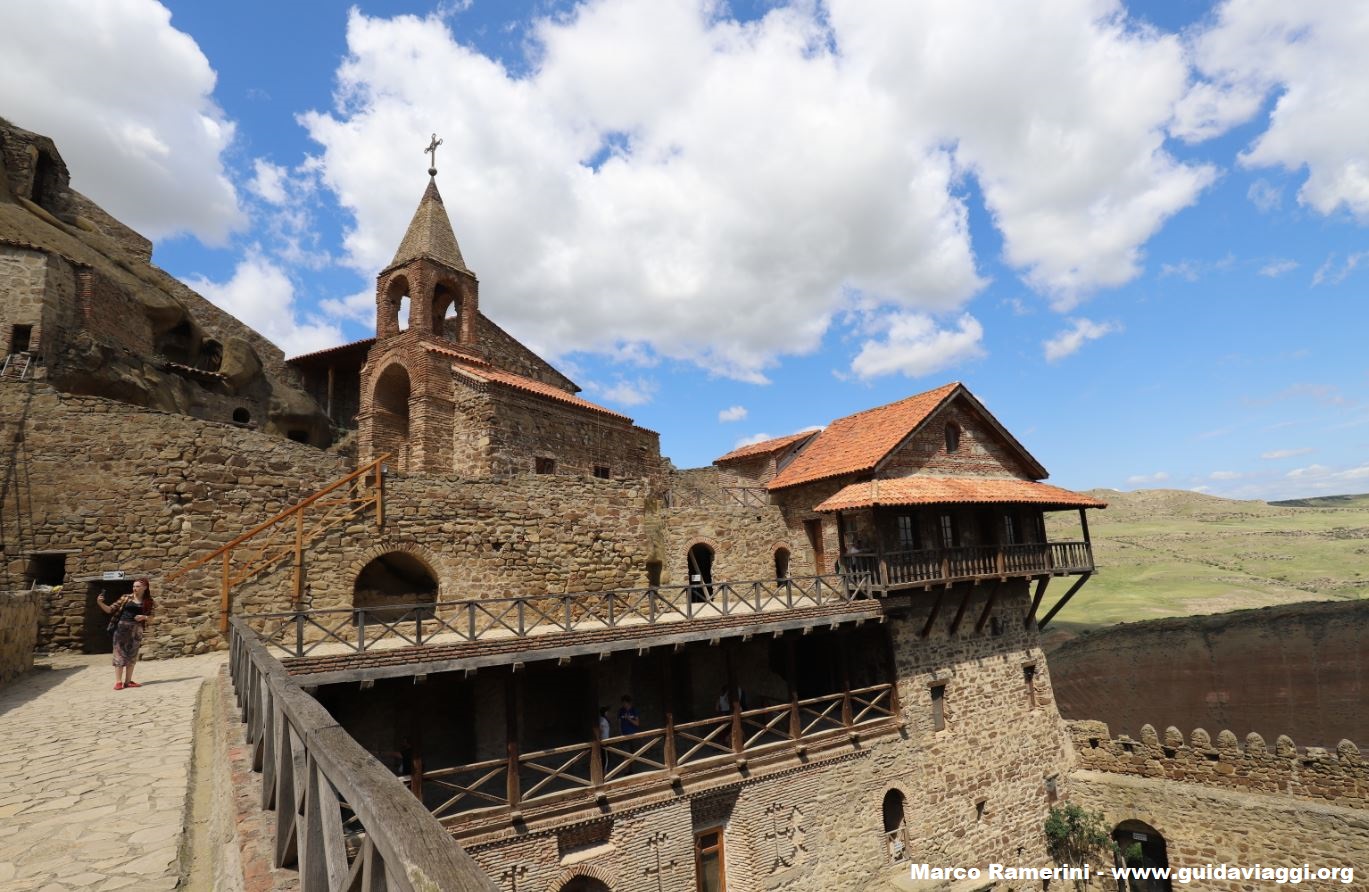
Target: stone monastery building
[(436, 566)]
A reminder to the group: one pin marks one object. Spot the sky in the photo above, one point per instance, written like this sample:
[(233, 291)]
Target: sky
[(1139, 233)]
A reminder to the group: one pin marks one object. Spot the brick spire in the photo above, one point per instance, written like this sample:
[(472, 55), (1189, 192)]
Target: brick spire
[(430, 234)]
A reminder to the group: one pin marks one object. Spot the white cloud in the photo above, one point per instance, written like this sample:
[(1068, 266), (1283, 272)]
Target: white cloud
[(753, 439), (1265, 195), (1157, 477), (733, 413), (1276, 454), (127, 99), (1079, 333), (1226, 475), (1311, 56), (1275, 268), (1328, 274), (915, 346), (636, 392), (661, 167), (262, 295), (268, 181)]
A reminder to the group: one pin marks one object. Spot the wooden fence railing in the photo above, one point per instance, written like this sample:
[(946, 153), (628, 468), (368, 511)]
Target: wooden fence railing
[(743, 496), (936, 565), (302, 632), (342, 819), (589, 768), (286, 535)]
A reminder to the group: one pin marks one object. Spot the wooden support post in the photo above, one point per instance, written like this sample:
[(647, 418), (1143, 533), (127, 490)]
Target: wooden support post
[(988, 607), (514, 794), (1041, 584), (1084, 524), (843, 655), (225, 604), (936, 610), (596, 757), (667, 660), (415, 745), (1078, 583), (791, 669), (332, 372), (734, 702), (891, 655), (960, 614)]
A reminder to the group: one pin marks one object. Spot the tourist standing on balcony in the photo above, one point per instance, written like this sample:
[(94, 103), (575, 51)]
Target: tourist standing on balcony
[(131, 615), (629, 722)]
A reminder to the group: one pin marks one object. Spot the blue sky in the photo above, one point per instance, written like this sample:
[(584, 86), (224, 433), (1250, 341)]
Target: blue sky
[(1136, 231)]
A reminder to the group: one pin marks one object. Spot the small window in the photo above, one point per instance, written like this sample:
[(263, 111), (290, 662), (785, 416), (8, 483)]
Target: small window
[(938, 707), (602, 472), (20, 338), (952, 438), (949, 535), (981, 807), (709, 871), (1029, 679), (545, 465), (907, 532), (1052, 788), (241, 416), (47, 569)]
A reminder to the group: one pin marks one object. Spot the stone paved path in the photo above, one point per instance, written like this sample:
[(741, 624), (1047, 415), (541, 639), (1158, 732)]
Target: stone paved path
[(93, 782)]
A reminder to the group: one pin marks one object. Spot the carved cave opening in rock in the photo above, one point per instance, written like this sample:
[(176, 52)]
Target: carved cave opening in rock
[(394, 581), (391, 425), (1142, 846)]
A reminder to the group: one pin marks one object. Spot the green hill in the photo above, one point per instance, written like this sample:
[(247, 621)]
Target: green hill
[(1165, 552)]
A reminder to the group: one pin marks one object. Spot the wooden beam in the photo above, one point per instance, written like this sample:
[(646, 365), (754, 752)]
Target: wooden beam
[(1078, 583), (1041, 584), (988, 607), (1084, 523), (936, 610), (960, 614)]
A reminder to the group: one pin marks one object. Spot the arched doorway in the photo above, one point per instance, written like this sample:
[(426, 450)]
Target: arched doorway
[(700, 561), (390, 426), (1142, 846), (394, 581), (895, 833), (781, 564), (585, 884)]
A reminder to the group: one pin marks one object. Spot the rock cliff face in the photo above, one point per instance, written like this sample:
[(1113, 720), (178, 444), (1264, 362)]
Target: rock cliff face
[(1300, 669)]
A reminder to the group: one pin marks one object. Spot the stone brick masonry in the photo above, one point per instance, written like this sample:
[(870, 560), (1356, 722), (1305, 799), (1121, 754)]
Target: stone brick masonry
[(19, 612)]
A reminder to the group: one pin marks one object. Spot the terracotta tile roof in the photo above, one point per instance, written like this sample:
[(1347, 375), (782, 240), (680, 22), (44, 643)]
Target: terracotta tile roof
[(927, 489), (764, 447), (430, 234), (485, 372), (340, 348), (859, 442)]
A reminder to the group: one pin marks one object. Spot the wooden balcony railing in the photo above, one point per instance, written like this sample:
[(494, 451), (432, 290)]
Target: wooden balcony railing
[(938, 565), (743, 496), (590, 768), (342, 820), (304, 632)]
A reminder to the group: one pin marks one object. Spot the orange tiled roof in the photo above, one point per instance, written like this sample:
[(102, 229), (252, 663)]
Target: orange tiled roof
[(485, 372), (928, 489), (764, 447), (858, 442)]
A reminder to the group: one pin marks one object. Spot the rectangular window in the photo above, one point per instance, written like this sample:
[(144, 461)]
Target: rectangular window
[(601, 471), (938, 707), (1029, 678), (907, 532), (546, 465), (20, 336), (1052, 788), (949, 536), (709, 872)]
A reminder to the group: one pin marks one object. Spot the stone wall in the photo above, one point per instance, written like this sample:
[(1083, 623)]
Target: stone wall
[(23, 282), (1303, 666), (502, 351), (19, 612), (1339, 776), (982, 452)]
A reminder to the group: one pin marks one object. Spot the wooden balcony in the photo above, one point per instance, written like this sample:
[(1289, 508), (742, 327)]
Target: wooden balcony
[(944, 566)]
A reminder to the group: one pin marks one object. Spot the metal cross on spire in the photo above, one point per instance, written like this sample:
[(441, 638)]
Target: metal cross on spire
[(431, 151)]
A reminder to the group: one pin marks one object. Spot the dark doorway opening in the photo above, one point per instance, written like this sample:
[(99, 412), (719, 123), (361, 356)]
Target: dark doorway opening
[(781, 564), (94, 638), (20, 338), (1141, 846), (895, 838), (700, 560), (813, 528), (47, 569), (585, 884), (394, 581), (653, 574)]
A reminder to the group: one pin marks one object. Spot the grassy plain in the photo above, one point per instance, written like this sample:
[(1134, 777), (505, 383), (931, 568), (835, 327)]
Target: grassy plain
[(1178, 553)]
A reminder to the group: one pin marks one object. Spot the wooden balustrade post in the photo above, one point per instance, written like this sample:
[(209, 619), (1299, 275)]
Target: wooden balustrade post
[(511, 698), (844, 657), (668, 701), (791, 679), (224, 595), (299, 634), (596, 758), (734, 703)]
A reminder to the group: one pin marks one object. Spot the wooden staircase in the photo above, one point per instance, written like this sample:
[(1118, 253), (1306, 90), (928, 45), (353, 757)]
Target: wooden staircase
[(285, 536)]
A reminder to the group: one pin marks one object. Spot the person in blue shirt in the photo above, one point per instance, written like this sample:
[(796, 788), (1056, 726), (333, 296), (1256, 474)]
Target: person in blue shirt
[(629, 722)]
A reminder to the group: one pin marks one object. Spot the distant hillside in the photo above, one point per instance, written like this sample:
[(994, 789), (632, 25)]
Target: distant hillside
[(1352, 501), (1166, 552)]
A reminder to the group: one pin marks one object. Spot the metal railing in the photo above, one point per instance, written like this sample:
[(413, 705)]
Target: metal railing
[(933, 565), (342, 820), (588, 769), (301, 633)]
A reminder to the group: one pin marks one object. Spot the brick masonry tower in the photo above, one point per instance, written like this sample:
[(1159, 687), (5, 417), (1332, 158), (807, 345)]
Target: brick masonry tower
[(406, 400)]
